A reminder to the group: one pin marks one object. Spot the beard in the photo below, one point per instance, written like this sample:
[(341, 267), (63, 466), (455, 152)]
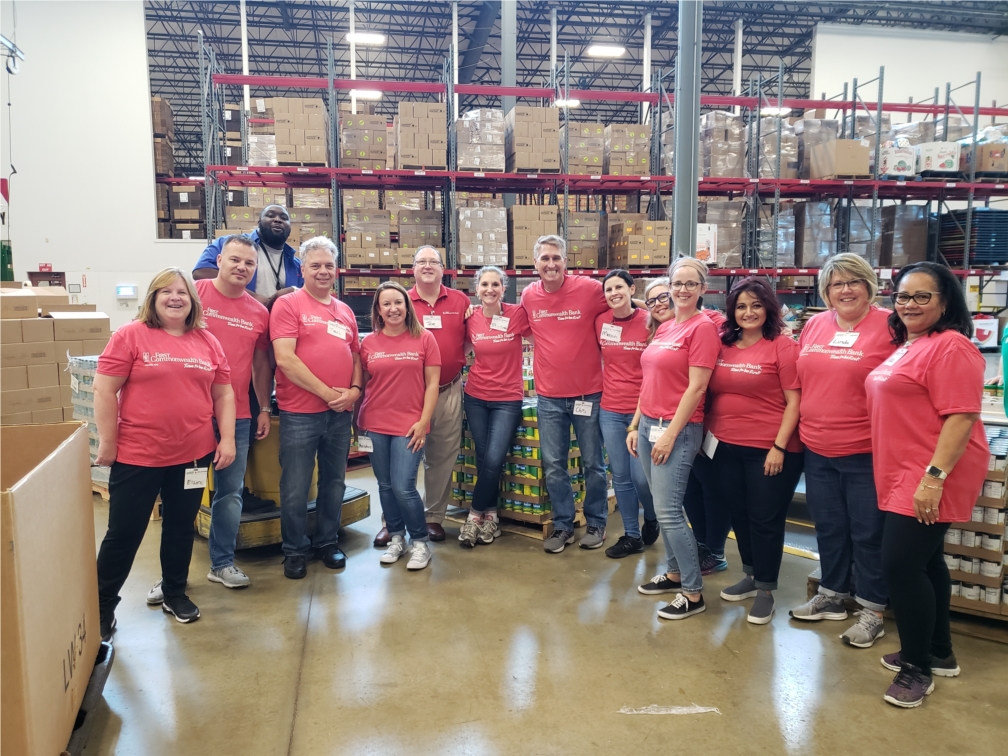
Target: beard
[(271, 238)]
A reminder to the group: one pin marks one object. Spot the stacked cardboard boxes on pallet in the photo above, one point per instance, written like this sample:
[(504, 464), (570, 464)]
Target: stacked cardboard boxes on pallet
[(639, 244), (904, 235), (368, 239), (813, 134), (785, 254), (479, 140), (532, 140), (585, 148), (187, 205), (478, 199), (584, 242), (422, 136), (420, 227), (726, 217), (483, 237), (628, 149), (722, 144), (526, 223), (301, 130), (770, 147), (815, 234), (362, 142), (164, 136)]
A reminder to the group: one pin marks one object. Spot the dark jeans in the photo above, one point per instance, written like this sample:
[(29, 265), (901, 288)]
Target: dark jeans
[(303, 436), (709, 516), (759, 506), (840, 494), (493, 426), (132, 492), (919, 587)]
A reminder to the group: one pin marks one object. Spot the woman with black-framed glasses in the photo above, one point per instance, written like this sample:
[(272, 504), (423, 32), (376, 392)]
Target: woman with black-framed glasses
[(931, 459)]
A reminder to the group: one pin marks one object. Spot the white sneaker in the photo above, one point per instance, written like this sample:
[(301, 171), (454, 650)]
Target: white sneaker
[(229, 576), (396, 548), (420, 555), (155, 595)]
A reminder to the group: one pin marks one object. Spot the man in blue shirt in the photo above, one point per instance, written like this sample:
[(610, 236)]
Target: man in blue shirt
[(279, 270)]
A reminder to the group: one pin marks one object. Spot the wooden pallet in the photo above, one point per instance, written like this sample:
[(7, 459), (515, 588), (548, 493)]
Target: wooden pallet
[(301, 165), (480, 170), (535, 171), (940, 176), (992, 178), (850, 177)]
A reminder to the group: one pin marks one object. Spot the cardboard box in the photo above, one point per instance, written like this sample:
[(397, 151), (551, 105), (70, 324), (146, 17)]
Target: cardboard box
[(68, 348), (18, 303), (30, 399), (64, 373), (842, 157), (48, 597), (991, 158), (18, 418), (13, 378), (41, 376), (897, 161), (75, 326), (938, 156), (10, 331), (37, 329), (38, 353), (54, 415)]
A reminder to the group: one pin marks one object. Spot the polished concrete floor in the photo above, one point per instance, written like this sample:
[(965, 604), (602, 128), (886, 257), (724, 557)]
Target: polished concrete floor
[(507, 650)]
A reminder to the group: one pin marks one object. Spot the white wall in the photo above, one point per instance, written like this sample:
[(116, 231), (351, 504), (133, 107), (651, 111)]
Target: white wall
[(80, 131)]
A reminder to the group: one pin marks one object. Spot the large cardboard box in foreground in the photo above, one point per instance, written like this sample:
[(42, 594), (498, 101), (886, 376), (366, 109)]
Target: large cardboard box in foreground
[(49, 634)]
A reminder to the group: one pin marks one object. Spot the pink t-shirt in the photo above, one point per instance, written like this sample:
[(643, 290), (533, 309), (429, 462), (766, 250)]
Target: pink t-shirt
[(747, 393), (241, 326), (676, 348), (834, 411), (165, 405), (716, 318), (621, 370), (394, 395), (496, 373), (326, 343), (909, 396), (451, 306), (567, 361)]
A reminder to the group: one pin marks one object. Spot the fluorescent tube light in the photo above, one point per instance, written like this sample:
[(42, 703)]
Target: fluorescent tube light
[(366, 94), (572, 103), (774, 111), (366, 38), (606, 51)]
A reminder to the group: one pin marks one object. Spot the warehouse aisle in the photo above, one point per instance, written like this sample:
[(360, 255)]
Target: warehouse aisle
[(505, 650)]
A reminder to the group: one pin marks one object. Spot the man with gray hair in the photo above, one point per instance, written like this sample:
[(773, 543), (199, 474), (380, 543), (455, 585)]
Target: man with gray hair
[(567, 367)]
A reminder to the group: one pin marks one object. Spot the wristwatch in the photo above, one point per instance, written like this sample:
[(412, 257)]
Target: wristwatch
[(935, 472)]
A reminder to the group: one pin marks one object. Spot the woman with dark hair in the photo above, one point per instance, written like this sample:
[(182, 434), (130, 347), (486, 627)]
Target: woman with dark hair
[(931, 459), (622, 333), (755, 450)]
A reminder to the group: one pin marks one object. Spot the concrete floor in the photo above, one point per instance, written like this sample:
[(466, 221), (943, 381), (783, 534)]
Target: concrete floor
[(507, 650)]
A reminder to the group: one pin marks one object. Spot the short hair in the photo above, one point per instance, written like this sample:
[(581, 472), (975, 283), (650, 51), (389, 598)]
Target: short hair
[(625, 277), (773, 327), (378, 323), (148, 312), (492, 269), (652, 324), (956, 315), (263, 211), (435, 250), (552, 240), (243, 240), (690, 262), (851, 265), (319, 242)]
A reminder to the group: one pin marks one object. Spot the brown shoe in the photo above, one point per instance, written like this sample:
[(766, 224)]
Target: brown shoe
[(382, 539), (435, 532)]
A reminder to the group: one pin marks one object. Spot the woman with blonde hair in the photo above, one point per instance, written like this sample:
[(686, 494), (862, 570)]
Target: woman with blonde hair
[(165, 352)]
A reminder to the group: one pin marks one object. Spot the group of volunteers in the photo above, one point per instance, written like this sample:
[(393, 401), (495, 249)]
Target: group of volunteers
[(707, 422)]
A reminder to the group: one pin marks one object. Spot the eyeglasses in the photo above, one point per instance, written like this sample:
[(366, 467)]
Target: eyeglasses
[(839, 286), (426, 263), (663, 298), (688, 285), (921, 297)]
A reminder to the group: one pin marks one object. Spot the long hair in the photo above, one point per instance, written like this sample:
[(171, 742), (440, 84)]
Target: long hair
[(378, 323), (652, 324), (625, 277), (731, 331), (955, 315), (148, 312)]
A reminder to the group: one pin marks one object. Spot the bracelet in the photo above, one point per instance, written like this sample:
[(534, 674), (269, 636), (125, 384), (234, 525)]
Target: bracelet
[(354, 385), (265, 409), (933, 488), (630, 428), (778, 448)]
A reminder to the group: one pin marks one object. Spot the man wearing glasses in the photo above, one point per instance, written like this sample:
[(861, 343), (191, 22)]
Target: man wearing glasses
[(442, 311)]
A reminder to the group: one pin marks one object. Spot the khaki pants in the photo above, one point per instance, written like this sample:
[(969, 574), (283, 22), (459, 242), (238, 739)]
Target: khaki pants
[(441, 451)]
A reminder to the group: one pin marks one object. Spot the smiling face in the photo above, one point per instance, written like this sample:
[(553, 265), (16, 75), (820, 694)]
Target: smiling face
[(237, 263), (173, 304), (392, 307), (687, 288), (274, 226), (427, 266), (618, 295), (319, 270), (750, 313), (848, 296), (919, 318), (490, 289), (659, 303), (550, 264)]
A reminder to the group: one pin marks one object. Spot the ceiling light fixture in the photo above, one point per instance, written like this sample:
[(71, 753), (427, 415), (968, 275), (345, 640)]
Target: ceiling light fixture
[(366, 38), (606, 51), (773, 111), (366, 94), (571, 103)]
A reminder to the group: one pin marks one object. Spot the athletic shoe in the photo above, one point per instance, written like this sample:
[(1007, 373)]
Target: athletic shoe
[(229, 576), (396, 548), (557, 541), (625, 546), (909, 688), (155, 596), (820, 607), (659, 584), (947, 667), (682, 607), (420, 555), (489, 529), (742, 590), (650, 531), (712, 563), (107, 626), (762, 609), (469, 533), (593, 538), (181, 608), (865, 632)]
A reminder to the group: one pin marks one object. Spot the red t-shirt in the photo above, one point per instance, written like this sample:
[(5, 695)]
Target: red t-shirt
[(165, 405), (394, 395), (567, 360), (496, 373), (717, 319), (676, 348), (451, 306), (834, 411), (747, 393), (326, 343), (621, 370), (241, 326), (909, 396)]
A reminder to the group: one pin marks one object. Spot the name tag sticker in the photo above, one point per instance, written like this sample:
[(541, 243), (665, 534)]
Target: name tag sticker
[(582, 409), (365, 444), (611, 332), (844, 339), (337, 329), (896, 356), (431, 321), (196, 477), (655, 433), (709, 445), (499, 323)]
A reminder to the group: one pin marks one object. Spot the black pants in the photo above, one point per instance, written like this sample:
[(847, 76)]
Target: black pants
[(759, 505), (913, 562), (132, 492), (708, 514)]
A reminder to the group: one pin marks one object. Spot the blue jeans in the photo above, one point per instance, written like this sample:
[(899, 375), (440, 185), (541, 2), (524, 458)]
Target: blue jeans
[(226, 510), (395, 467), (555, 419), (629, 481), (840, 494), (303, 435), (668, 486), (493, 426)]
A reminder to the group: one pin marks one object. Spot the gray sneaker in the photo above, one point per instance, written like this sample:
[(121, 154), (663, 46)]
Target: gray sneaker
[(947, 667), (557, 541), (762, 609), (593, 538), (469, 533), (420, 555), (867, 630), (155, 596), (396, 548), (229, 576), (742, 590), (820, 607), (489, 530)]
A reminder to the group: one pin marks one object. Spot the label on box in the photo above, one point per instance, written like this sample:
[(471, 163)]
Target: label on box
[(431, 321), (337, 329), (611, 332), (582, 409), (261, 105), (74, 384), (183, 197), (844, 339), (499, 323), (196, 477), (186, 234), (365, 444)]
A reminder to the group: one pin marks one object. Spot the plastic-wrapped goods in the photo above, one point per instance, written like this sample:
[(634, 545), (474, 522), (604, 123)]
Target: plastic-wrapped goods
[(769, 148), (811, 133), (861, 241), (667, 141), (910, 134), (958, 128), (904, 235), (815, 236), (262, 149), (727, 216), (532, 139), (865, 127), (785, 236), (722, 140), (479, 138), (483, 236)]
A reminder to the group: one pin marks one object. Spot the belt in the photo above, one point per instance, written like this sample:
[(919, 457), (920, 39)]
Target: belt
[(452, 382)]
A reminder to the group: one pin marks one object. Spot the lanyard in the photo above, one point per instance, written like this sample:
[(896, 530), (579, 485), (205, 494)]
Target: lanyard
[(269, 262)]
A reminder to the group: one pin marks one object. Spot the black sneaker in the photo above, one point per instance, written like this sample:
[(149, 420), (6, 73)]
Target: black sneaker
[(947, 667), (650, 532), (625, 546), (182, 608), (107, 626), (659, 584), (295, 567), (682, 607)]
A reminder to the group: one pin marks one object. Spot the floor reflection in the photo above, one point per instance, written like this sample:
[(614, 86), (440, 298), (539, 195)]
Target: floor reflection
[(796, 685), (518, 683)]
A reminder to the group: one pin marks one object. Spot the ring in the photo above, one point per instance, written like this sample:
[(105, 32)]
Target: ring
[(928, 509)]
